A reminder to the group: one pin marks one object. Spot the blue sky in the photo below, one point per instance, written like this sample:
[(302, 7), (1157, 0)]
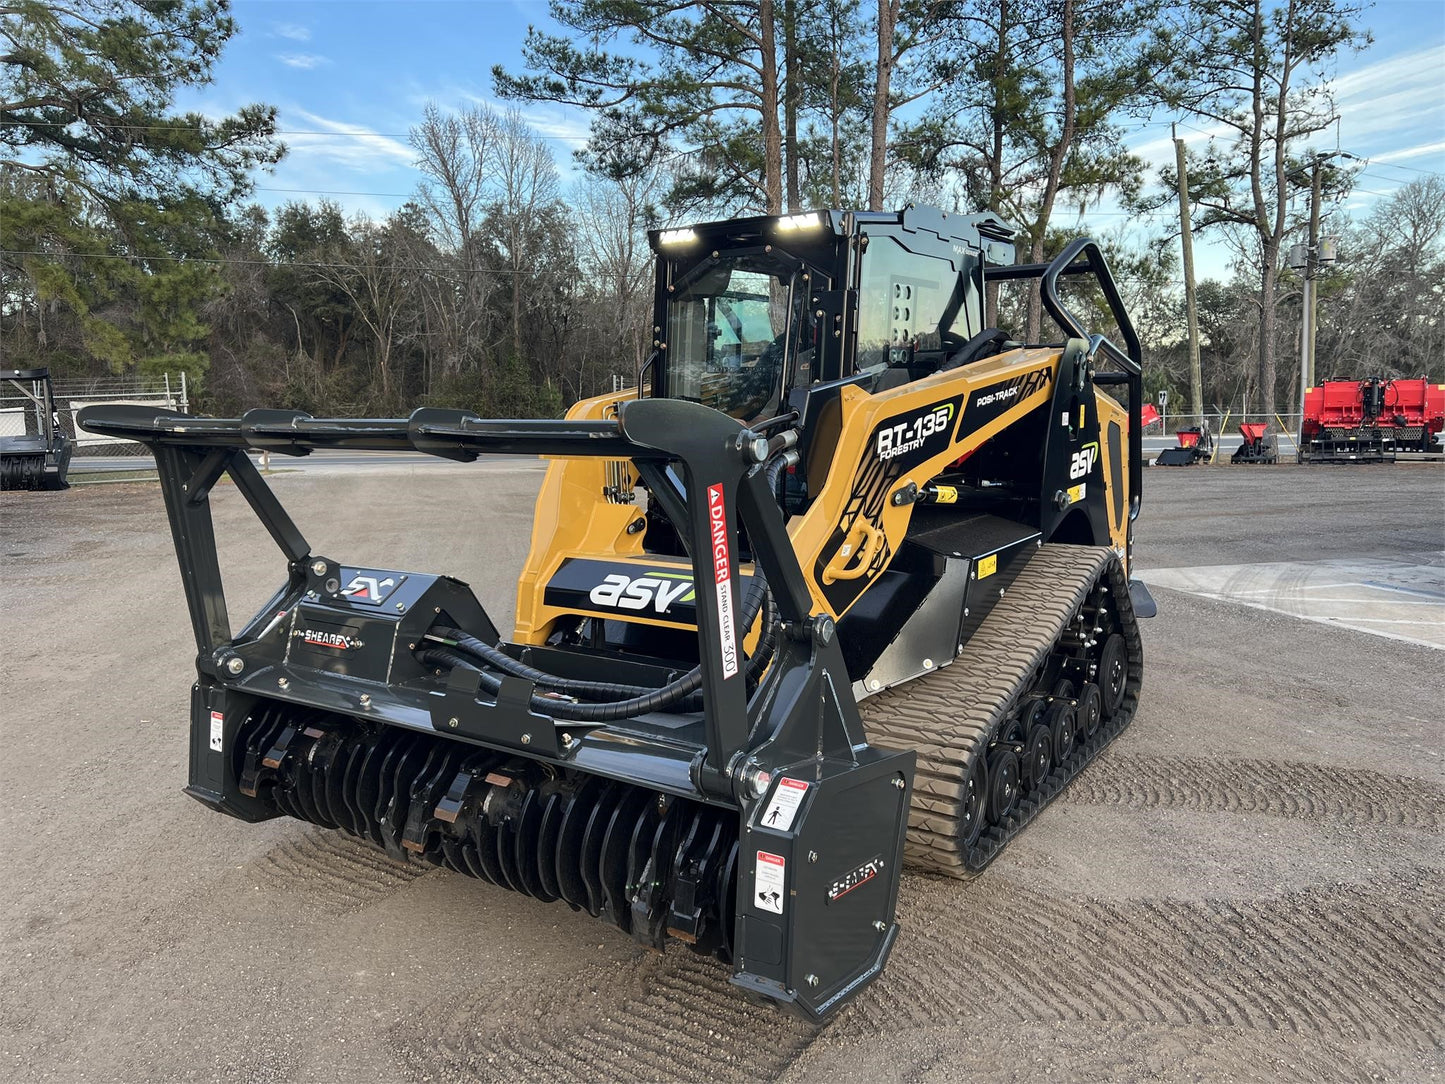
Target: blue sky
[(351, 76)]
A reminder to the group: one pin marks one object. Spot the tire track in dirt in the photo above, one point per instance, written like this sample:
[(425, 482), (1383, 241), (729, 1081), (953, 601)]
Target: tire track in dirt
[(1086, 1054), (1356, 963), (1277, 789), (666, 1017), (333, 870)]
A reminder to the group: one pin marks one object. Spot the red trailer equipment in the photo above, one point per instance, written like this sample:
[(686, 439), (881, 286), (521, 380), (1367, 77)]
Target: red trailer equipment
[(1370, 420), (1196, 445), (1257, 444)]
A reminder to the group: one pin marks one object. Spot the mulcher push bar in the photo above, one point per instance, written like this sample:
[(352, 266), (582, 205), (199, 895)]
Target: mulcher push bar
[(721, 483)]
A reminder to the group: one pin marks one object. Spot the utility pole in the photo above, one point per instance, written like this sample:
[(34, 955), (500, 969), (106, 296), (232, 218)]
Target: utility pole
[(1310, 270), (1196, 376), (1308, 261)]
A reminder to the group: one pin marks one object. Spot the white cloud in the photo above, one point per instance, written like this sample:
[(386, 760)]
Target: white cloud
[(1393, 100), (564, 124), (1410, 152), (304, 61), (291, 30), (353, 146)]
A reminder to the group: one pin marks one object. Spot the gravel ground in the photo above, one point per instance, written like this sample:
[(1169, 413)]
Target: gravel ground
[(1246, 886)]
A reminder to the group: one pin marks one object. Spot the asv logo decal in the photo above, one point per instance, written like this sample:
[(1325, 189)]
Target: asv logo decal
[(1083, 461), (659, 591), (369, 588), (910, 435)]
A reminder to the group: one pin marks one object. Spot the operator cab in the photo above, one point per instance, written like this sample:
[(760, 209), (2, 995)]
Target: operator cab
[(751, 311)]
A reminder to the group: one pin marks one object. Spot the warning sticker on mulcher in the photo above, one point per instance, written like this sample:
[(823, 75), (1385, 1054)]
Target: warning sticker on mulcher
[(768, 882), (218, 723), (783, 809), (722, 574)]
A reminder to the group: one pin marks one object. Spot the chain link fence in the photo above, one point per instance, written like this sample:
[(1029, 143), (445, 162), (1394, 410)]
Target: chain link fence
[(92, 451)]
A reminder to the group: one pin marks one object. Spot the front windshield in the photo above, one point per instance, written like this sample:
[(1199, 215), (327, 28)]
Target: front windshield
[(734, 330)]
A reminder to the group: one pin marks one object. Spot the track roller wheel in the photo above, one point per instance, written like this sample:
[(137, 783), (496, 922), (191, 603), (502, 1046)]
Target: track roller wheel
[(1113, 674), (971, 806), (1040, 754), (1063, 722), (1003, 783), (1090, 712)]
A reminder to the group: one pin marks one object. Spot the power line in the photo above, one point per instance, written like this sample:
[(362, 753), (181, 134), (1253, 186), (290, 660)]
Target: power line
[(191, 128), (1412, 169), (242, 261), (247, 262), (332, 192)]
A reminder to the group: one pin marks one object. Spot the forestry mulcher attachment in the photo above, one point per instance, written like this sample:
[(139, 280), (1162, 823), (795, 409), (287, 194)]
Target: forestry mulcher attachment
[(34, 450), (846, 585)]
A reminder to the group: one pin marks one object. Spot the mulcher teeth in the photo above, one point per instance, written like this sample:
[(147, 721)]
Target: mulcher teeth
[(654, 865)]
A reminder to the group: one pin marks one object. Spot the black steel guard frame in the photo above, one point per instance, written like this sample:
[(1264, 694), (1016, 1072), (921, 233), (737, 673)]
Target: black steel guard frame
[(193, 453), (1084, 257)]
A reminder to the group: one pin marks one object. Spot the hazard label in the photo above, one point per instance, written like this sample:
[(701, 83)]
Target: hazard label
[(768, 882), (218, 722), (783, 809)]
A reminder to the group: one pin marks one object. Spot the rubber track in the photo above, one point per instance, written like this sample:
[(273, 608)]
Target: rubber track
[(951, 715)]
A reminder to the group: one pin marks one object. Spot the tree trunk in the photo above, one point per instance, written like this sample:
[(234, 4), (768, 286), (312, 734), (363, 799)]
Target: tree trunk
[(1266, 329), (878, 152), (792, 95), (1059, 153), (772, 136), (834, 114)]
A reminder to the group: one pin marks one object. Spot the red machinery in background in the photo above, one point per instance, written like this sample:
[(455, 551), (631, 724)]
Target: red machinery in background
[(1256, 444), (1196, 445), (1370, 420)]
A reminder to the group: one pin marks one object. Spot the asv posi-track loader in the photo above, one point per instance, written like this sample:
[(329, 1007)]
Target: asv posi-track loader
[(845, 586)]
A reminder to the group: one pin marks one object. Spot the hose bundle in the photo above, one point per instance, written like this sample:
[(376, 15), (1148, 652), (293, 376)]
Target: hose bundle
[(609, 701)]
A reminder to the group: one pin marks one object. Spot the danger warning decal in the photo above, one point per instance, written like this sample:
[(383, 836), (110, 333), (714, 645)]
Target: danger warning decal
[(722, 575), (218, 723), (768, 879), (783, 809)]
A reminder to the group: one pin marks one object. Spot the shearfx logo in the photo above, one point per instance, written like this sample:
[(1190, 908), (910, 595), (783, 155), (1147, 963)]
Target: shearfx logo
[(656, 589), (373, 589), (338, 641)]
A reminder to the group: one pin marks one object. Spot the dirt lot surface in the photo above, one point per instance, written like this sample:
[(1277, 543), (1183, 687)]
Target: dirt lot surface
[(1246, 886)]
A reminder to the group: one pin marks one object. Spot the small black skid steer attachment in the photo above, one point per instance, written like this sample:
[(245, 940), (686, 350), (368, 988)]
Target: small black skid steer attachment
[(37, 456), (737, 809)]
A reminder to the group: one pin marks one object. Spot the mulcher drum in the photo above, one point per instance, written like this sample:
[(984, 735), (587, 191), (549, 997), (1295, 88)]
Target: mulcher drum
[(953, 714)]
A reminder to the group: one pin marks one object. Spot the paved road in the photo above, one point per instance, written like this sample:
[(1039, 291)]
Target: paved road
[(1246, 886)]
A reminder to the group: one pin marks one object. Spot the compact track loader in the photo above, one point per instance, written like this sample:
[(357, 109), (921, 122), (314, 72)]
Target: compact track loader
[(845, 586), (35, 454)]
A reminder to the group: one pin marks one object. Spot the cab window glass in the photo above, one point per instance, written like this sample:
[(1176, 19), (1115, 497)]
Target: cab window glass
[(911, 307)]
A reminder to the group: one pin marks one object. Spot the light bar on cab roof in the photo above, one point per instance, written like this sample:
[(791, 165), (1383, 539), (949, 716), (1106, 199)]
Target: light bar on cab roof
[(800, 222), (676, 237)]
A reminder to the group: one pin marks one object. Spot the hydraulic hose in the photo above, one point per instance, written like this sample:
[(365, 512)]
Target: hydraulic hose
[(500, 660), (638, 700), (651, 700)]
